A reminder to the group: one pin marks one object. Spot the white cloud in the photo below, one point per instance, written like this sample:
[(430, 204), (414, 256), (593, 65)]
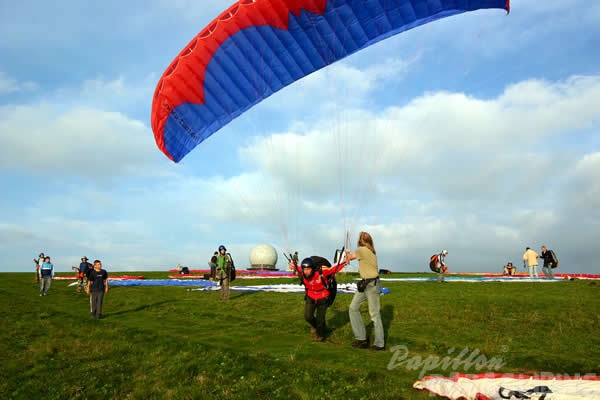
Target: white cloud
[(46, 139), (10, 85), (439, 137), (584, 185)]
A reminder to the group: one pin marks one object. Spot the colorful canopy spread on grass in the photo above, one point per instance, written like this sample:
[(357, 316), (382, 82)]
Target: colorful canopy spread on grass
[(493, 386), (257, 47), (201, 284), (110, 278), (163, 282), (348, 288), (473, 279)]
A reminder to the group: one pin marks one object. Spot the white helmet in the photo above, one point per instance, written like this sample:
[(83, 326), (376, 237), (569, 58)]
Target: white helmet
[(445, 252)]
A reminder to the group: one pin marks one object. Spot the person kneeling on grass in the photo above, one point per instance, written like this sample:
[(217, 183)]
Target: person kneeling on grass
[(97, 285), (509, 269), (315, 273)]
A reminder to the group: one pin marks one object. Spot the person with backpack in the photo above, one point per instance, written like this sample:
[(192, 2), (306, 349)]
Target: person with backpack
[(550, 262), (438, 265), (369, 289), (318, 278), (224, 269), (83, 272)]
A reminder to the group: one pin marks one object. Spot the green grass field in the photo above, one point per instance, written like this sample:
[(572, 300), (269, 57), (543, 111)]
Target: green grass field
[(172, 343)]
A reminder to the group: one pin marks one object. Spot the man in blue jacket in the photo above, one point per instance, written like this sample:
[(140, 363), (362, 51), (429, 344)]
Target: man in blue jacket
[(84, 271), (46, 273)]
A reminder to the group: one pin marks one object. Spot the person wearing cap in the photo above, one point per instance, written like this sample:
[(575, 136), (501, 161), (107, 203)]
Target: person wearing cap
[(314, 271), (224, 263), (84, 271)]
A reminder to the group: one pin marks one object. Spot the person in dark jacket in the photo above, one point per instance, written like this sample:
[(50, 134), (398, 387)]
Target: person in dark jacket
[(549, 262), (213, 265), (97, 286), (83, 272)]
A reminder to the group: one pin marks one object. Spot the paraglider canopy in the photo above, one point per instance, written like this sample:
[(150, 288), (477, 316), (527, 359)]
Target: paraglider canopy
[(257, 47)]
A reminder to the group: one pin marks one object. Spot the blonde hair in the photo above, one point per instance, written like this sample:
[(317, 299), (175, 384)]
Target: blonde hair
[(365, 240)]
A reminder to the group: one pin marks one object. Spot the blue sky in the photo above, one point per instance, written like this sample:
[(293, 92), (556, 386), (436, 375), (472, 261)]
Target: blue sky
[(478, 133)]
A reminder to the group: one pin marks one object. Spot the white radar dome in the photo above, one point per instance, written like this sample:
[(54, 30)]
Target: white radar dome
[(263, 256)]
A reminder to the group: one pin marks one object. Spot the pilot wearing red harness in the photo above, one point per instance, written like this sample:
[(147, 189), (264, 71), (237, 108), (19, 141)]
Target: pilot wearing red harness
[(314, 279)]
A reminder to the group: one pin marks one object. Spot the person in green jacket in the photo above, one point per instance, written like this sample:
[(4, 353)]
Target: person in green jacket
[(224, 270)]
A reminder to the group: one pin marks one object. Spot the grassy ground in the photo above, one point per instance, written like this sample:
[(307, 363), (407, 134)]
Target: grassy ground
[(172, 343)]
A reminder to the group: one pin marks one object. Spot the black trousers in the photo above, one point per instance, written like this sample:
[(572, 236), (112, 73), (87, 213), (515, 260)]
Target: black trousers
[(318, 321), (97, 298)]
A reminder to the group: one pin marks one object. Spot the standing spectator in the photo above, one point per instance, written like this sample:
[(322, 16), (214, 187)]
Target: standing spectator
[(38, 264), (371, 289), (530, 260), (295, 261), (437, 264), (224, 263), (213, 266), (84, 270), (47, 273), (97, 286), (550, 262)]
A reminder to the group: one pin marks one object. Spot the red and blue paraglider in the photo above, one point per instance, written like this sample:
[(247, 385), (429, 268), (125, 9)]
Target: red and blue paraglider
[(257, 47)]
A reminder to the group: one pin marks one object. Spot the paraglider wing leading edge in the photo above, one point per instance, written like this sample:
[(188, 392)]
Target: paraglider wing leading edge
[(257, 47)]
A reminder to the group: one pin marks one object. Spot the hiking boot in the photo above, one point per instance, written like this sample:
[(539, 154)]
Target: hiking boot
[(319, 339), (378, 348), (361, 344)]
